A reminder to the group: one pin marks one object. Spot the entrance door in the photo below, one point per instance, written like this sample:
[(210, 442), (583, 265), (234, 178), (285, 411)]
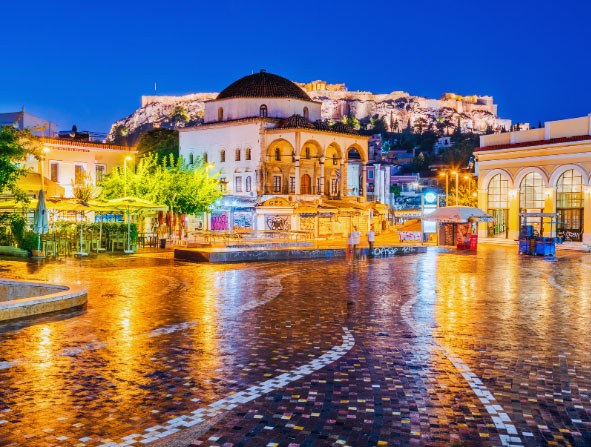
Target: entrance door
[(498, 228), (305, 185), (570, 223)]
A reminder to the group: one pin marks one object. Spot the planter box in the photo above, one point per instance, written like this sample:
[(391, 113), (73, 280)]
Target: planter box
[(13, 251)]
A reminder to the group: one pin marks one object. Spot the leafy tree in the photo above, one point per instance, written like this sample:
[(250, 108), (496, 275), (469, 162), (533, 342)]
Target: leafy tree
[(467, 195), (378, 125), (162, 142), (458, 155), (15, 145), (350, 120), (120, 135), (421, 124), (184, 188), (179, 117), (83, 188)]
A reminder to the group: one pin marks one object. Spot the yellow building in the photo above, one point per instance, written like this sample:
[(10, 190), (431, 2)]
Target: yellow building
[(68, 161), (540, 170)]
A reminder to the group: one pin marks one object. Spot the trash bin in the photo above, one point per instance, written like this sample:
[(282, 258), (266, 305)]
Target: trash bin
[(163, 243)]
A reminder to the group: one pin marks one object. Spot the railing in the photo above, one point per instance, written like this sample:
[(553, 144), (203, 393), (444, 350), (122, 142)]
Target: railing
[(253, 238), (270, 190)]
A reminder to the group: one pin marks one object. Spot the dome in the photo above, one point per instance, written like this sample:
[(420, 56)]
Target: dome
[(263, 85)]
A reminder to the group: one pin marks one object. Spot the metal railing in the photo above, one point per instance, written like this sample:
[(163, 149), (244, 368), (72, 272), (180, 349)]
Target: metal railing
[(258, 238)]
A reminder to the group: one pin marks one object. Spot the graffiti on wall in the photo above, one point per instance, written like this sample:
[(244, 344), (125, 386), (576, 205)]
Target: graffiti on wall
[(219, 222), (243, 220), (278, 223), (307, 223), (409, 235)]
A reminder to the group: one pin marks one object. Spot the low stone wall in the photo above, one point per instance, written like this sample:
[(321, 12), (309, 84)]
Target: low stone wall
[(266, 255), (21, 299)]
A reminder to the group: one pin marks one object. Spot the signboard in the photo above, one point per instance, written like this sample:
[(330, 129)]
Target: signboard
[(278, 223), (219, 222), (277, 202), (242, 220), (324, 225)]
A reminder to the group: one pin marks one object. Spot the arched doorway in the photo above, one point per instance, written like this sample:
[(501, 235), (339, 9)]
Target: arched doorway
[(569, 205), (305, 184), (498, 206), (531, 199), (354, 173)]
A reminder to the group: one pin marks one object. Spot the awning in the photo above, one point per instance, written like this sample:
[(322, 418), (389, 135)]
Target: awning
[(459, 214), (31, 184)]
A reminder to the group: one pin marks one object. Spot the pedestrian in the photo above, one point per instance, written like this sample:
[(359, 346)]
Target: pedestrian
[(356, 242), (350, 244), (371, 237)]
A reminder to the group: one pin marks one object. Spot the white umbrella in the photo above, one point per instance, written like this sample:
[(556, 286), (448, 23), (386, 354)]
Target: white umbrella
[(41, 224), (459, 214)]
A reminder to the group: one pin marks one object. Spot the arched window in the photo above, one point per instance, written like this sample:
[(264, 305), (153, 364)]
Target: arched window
[(263, 110), (223, 156), (248, 153), (307, 153), (334, 159), (306, 113), (248, 184), (531, 192), (498, 206), (569, 205), (205, 157), (277, 154), (221, 114), (191, 158), (237, 154)]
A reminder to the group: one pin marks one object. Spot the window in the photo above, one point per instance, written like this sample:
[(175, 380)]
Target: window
[(370, 174), (54, 169), (223, 184), (277, 154), (247, 153), (223, 156), (263, 110), (306, 114), (248, 183), (334, 184), (79, 174), (191, 158), (276, 183), (292, 185), (238, 184), (100, 171), (205, 157), (569, 190), (221, 114), (237, 154), (498, 193), (370, 187), (531, 192), (318, 185)]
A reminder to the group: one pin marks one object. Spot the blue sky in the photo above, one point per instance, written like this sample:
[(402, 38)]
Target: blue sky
[(88, 63)]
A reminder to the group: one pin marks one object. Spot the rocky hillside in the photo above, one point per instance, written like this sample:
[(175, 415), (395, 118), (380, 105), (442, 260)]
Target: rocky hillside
[(397, 109)]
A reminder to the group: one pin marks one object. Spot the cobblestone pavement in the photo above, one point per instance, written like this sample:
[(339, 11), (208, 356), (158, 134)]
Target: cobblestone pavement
[(442, 348)]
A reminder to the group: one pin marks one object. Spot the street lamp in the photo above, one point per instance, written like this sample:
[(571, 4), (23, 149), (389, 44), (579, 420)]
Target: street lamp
[(446, 173), (128, 158), (45, 151), (457, 186), (467, 177)]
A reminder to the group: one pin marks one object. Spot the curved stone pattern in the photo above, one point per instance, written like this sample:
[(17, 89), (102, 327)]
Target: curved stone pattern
[(21, 299)]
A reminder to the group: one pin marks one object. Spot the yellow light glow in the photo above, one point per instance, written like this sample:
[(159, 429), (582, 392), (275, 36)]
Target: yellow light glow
[(46, 149), (128, 158), (454, 173), (442, 174)]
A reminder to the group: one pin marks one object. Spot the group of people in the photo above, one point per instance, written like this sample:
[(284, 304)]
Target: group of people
[(354, 241)]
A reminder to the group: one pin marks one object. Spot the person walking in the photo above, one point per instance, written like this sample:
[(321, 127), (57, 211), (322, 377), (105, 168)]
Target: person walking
[(356, 242), (350, 244), (371, 238)]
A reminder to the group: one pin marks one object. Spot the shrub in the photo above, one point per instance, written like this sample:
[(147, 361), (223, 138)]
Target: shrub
[(29, 242)]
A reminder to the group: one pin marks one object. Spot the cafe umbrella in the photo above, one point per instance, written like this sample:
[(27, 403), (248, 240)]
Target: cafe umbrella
[(40, 224)]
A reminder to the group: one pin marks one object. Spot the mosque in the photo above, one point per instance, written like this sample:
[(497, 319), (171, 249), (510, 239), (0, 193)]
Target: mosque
[(281, 166)]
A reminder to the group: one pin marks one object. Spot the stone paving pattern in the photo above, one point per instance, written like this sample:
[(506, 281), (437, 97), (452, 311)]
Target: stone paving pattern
[(430, 335)]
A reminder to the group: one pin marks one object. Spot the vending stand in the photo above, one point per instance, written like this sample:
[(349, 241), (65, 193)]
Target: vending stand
[(458, 225), (531, 234)]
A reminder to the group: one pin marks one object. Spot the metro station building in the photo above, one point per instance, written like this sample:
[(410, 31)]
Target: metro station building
[(546, 170)]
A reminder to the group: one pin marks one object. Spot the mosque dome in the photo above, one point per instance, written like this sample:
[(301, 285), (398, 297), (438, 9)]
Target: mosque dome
[(263, 85)]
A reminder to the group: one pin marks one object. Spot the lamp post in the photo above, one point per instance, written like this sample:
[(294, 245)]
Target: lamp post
[(128, 158), (457, 186), (45, 151), (467, 178), (446, 173)]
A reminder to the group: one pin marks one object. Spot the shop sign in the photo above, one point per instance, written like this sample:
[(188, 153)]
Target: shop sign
[(324, 225), (307, 223), (242, 220), (277, 202)]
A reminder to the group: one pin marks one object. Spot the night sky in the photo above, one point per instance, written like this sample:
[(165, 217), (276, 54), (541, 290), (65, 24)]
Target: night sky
[(88, 63)]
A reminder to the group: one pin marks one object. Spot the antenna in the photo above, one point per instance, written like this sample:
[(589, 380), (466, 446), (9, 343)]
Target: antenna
[(154, 87)]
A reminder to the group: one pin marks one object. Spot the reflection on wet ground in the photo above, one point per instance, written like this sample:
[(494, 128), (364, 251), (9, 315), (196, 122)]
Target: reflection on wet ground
[(449, 349)]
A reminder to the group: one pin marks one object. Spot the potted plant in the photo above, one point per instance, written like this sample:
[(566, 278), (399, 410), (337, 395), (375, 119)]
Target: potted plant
[(30, 242)]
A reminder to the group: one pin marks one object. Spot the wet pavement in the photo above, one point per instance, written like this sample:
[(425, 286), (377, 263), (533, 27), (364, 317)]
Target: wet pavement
[(442, 348)]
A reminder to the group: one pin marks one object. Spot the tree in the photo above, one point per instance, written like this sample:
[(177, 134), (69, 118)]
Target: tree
[(162, 142), (467, 195), (15, 145), (83, 188), (184, 188), (421, 124), (351, 121), (179, 117), (120, 135)]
